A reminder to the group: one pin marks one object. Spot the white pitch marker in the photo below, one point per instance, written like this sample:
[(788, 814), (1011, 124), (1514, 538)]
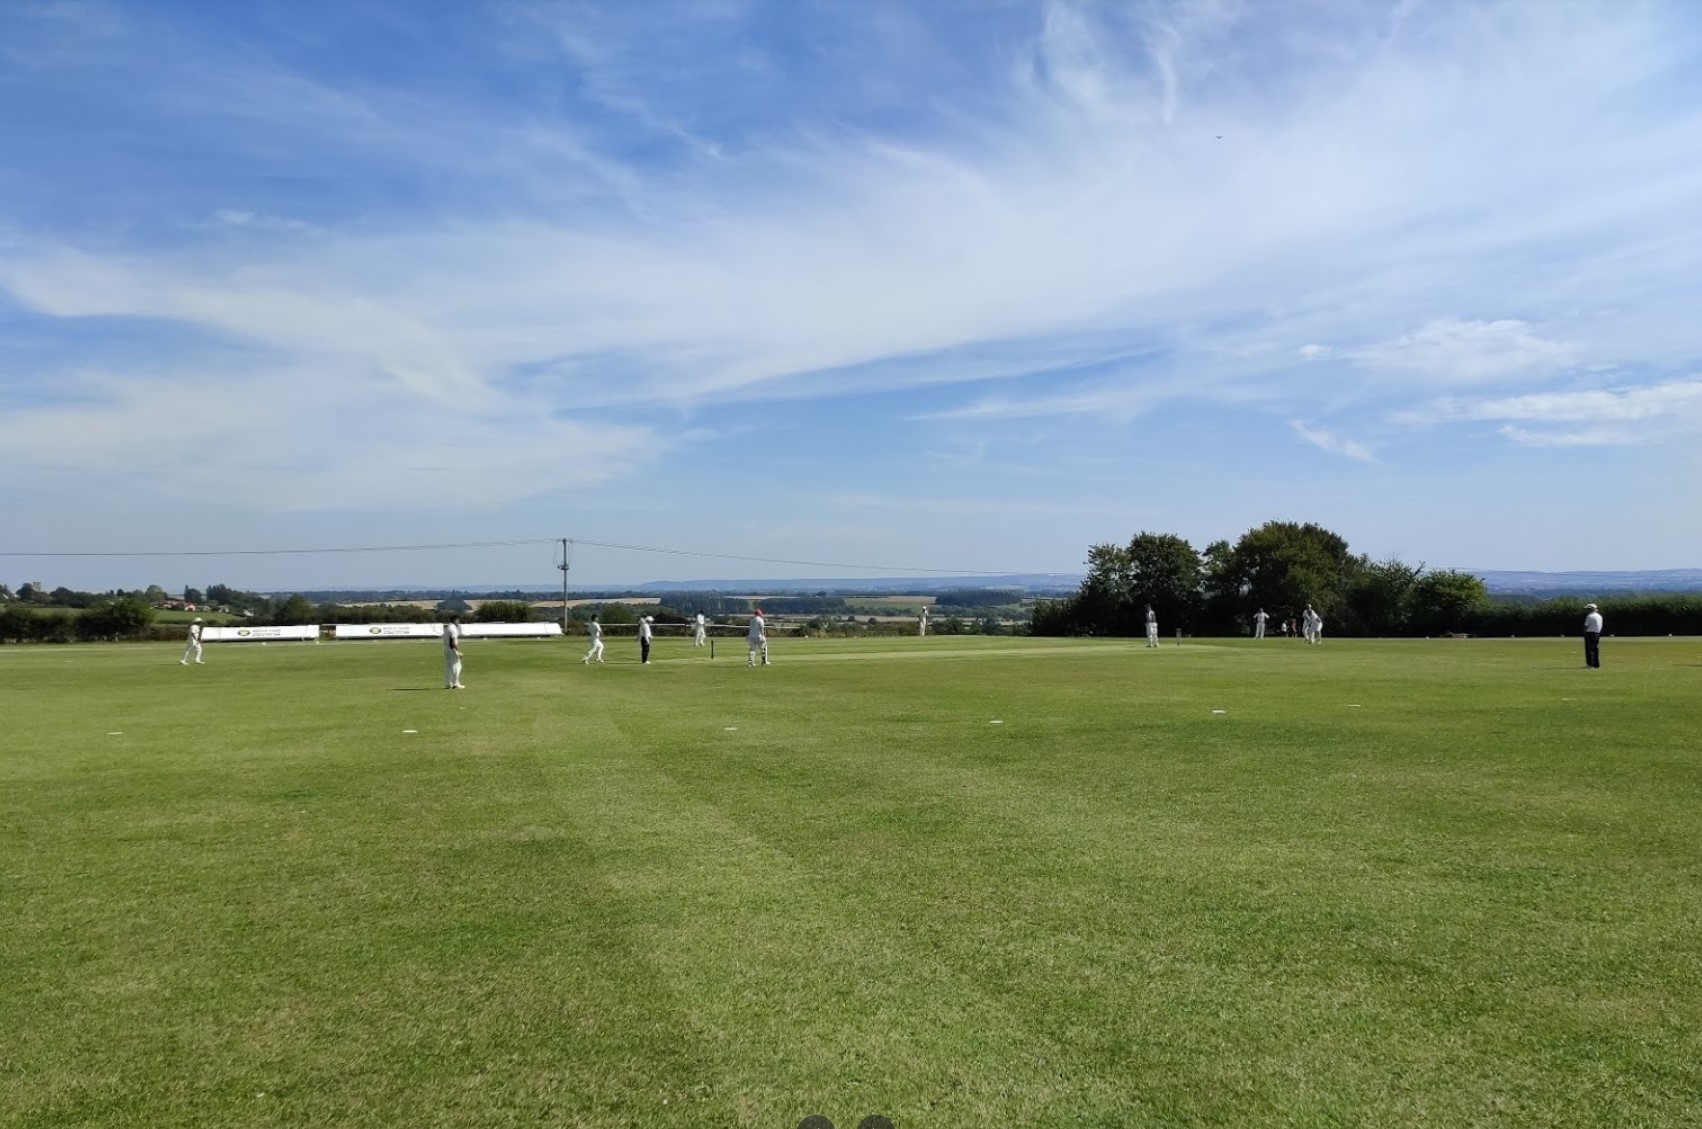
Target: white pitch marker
[(730, 729), (116, 733), (1220, 711), (410, 731), (995, 721)]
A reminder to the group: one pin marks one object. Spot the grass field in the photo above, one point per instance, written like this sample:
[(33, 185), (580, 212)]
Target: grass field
[(959, 882)]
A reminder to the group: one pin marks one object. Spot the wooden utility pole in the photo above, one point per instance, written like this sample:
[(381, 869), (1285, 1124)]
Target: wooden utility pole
[(566, 550)]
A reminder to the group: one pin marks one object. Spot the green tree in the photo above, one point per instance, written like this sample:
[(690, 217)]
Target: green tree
[(1220, 589), (1165, 573), (503, 611), (1282, 566), (15, 622), (1446, 601), (193, 596), (1380, 595), (296, 610), (121, 618), (1160, 569), (1103, 605)]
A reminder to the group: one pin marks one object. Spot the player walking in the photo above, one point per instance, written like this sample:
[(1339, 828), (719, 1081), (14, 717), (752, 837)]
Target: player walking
[(193, 646), (595, 654), (700, 636)]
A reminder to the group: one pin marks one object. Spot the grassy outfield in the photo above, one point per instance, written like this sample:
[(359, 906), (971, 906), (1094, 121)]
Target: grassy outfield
[(960, 882)]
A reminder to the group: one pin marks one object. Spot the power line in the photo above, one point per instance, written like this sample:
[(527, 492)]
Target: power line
[(295, 552), (511, 543)]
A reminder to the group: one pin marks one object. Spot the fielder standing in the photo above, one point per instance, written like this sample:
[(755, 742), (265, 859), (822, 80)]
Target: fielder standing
[(452, 654), (756, 640), (595, 654), (193, 646), (644, 634), (1592, 637), (1259, 624), (1151, 627)]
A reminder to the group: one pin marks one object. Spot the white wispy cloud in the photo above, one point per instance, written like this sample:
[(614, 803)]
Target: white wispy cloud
[(1590, 437), (1327, 440), (1454, 351), (265, 438), (1119, 184), (1618, 405)]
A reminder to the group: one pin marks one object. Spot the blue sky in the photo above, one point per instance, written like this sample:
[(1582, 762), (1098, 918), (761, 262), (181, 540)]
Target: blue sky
[(927, 284)]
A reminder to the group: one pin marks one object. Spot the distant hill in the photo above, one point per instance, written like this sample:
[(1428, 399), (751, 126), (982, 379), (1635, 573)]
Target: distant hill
[(1499, 583), (1590, 583), (1034, 583)]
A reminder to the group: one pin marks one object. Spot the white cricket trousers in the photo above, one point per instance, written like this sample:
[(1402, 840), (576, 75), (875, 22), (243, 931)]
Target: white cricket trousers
[(754, 647), (1152, 634), (595, 654), (451, 671), (192, 651)]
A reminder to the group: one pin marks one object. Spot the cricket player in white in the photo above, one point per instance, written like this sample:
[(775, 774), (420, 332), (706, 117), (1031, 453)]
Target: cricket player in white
[(193, 646), (452, 654), (922, 625), (756, 640), (700, 636), (1259, 624), (1312, 625), (595, 654), (1151, 627), (644, 635)]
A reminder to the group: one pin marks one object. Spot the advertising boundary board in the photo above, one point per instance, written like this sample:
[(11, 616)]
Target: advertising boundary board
[(435, 630), (298, 633)]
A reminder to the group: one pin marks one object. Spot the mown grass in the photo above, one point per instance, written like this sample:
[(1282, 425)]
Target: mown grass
[(954, 881)]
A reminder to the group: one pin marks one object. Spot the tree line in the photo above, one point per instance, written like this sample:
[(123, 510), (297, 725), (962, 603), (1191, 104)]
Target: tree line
[(1281, 567)]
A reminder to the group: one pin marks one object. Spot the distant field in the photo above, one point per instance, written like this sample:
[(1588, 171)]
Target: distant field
[(958, 881), (888, 605)]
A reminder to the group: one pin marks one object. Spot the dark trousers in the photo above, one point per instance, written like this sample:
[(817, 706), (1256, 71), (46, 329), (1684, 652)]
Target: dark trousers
[(644, 650), (1592, 648)]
